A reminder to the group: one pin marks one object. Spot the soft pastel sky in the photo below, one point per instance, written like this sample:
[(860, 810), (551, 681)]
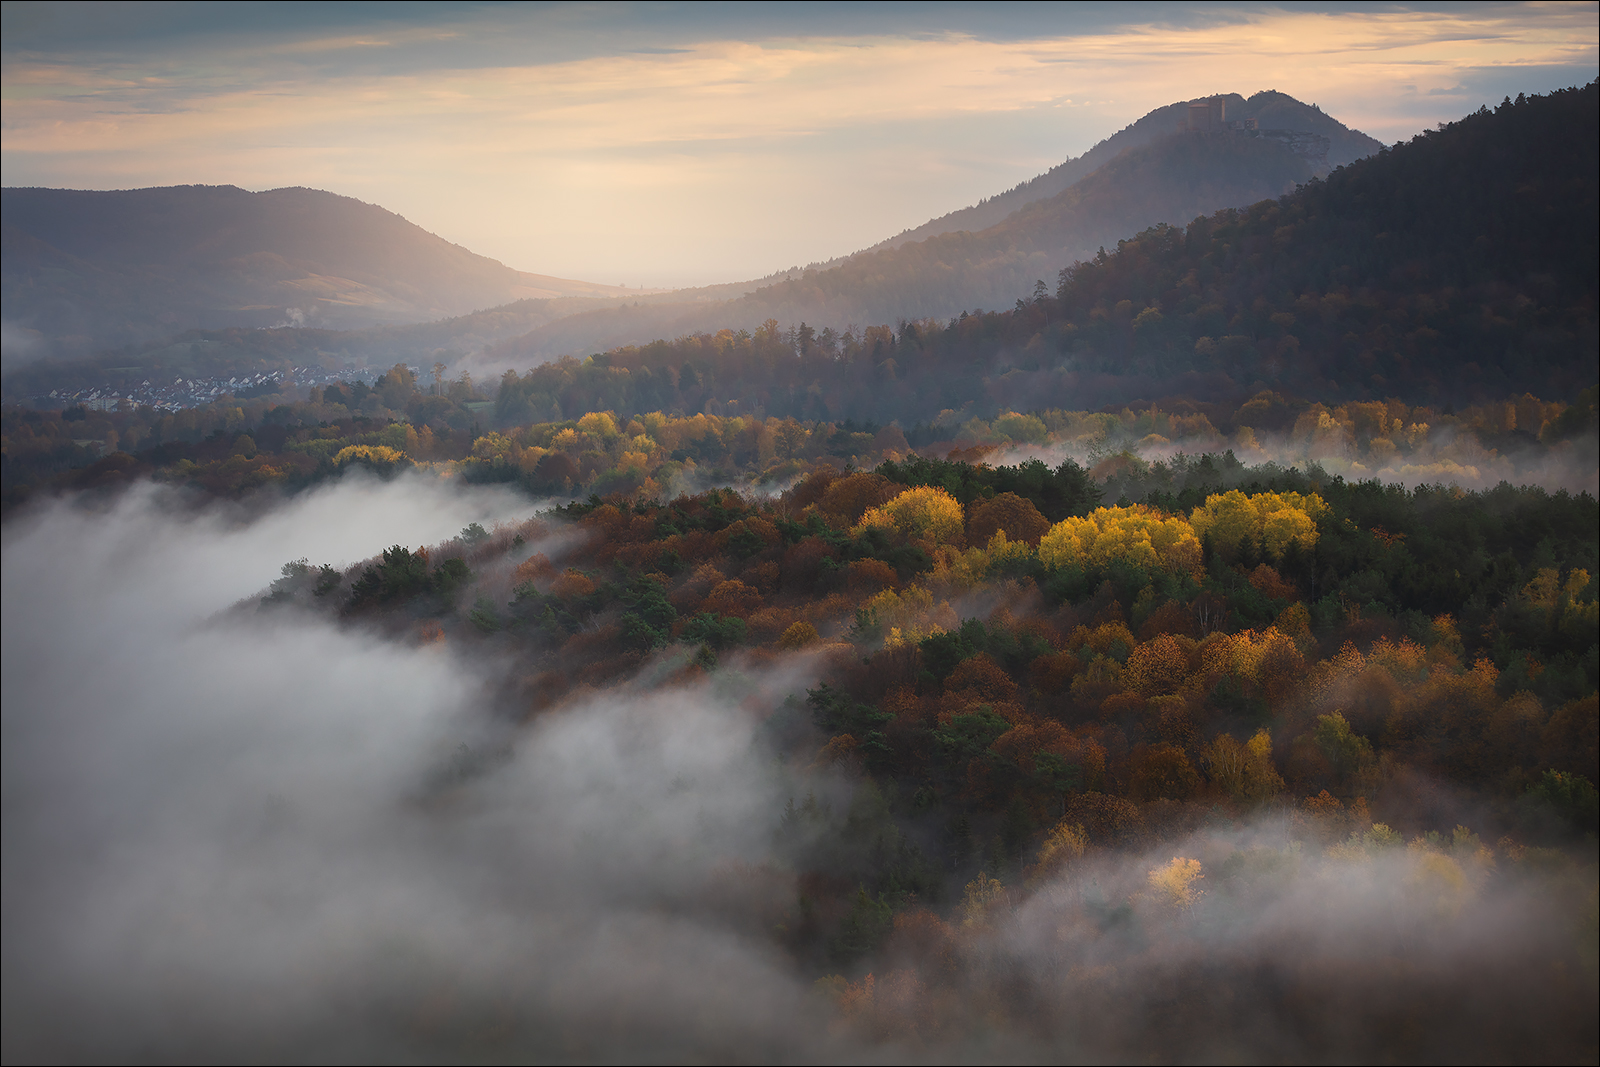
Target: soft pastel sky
[(671, 144)]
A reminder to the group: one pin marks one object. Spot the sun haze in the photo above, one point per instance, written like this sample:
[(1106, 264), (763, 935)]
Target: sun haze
[(678, 146)]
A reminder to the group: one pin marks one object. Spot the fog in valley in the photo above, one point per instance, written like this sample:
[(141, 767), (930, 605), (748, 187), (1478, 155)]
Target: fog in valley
[(264, 835), (1135, 468), (241, 835)]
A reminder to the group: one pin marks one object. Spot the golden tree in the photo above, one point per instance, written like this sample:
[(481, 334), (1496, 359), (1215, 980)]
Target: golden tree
[(924, 512)]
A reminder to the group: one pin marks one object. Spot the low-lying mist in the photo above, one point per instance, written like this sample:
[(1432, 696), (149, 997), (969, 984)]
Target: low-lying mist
[(267, 835), (231, 834), (1457, 461)]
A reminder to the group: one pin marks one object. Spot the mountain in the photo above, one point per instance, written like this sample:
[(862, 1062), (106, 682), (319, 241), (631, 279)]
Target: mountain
[(87, 270), (1462, 266), (1270, 110), (1174, 178), (84, 267)]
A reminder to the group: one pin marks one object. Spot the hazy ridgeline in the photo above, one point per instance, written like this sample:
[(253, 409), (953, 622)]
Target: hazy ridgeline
[(260, 834), (86, 271), (1458, 267)]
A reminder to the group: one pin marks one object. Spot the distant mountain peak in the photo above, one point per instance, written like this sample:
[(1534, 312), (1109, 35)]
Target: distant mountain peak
[(94, 269), (1269, 108)]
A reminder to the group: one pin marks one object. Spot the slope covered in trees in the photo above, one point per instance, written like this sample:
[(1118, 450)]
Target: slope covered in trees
[(111, 259), (1172, 179), (1459, 266), (1271, 110), (1006, 701), (1473, 249), (89, 270)]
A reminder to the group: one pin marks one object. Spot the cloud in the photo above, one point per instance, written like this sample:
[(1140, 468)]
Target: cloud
[(19, 345), (237, 831)]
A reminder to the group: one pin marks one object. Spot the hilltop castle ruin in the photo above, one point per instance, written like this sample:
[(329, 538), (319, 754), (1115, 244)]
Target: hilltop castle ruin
[(1211, 116)]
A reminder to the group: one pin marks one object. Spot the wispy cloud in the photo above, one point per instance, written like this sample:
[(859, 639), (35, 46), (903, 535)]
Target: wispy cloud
[(684, 159)]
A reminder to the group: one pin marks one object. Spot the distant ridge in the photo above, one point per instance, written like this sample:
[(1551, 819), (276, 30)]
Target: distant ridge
[(1270, 109), (1460, 267), (1171, 179), (87, 270)]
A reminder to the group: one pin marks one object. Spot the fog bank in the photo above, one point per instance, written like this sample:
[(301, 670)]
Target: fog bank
[(251, 837), (266, 836)]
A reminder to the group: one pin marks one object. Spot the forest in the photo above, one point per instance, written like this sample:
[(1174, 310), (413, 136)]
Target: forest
[(233, 447), (1016, 680), (1035, 645), (1398, 275)]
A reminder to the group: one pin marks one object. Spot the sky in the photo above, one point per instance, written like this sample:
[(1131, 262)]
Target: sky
[(681, 144)]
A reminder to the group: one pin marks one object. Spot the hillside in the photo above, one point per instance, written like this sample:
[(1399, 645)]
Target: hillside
[(1173, 179), (1271, 110), (1176, 178), (87, 270), (1457, 267), (1462, 262), (994, 252)]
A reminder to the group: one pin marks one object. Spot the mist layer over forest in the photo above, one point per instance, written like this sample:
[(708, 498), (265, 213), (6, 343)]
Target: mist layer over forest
[(252, 830), (249, 836)]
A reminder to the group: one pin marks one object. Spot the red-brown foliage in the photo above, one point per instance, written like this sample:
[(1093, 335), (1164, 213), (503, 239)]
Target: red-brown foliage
[(1051, 674), (851, 496), (1015, 515), (980, 679), (1170, 618), (731, 597), (867, 576)]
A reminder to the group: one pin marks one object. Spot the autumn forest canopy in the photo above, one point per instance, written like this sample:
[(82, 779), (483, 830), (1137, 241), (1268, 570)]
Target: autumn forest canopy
[(1199, 658), (1015, 679)]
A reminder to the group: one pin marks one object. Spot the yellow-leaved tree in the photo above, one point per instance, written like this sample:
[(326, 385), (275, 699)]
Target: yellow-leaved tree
[(1176, 882), (983, 894), (1246, 770), (925, 512), (977, 562), (1139, 534), (378, 457), (1062, 845), (1271, 519), (599, 424)]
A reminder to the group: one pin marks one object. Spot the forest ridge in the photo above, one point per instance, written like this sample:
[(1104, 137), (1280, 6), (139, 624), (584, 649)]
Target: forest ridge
[(1456, 268), (89, 270)]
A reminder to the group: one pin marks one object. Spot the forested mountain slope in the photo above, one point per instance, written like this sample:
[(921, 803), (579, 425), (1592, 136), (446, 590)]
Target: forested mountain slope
[(1271, 110), (87, 270), (1464, 259), (1172, 180), (1458, 266)]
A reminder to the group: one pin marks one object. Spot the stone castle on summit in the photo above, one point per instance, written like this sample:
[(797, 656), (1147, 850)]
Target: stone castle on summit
[(1211, 116)]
